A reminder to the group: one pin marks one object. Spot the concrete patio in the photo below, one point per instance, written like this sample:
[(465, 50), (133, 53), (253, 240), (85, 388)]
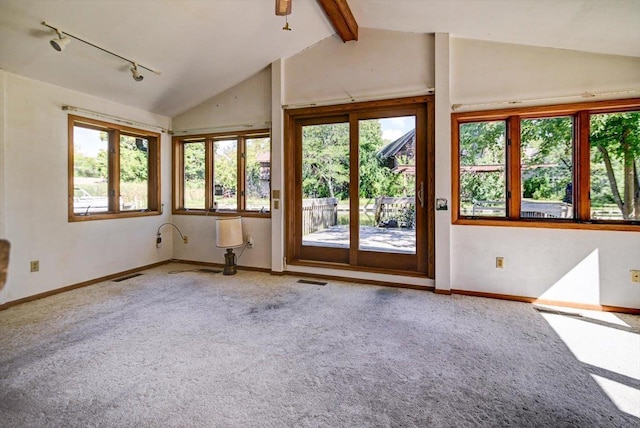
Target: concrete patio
[(390, 240)]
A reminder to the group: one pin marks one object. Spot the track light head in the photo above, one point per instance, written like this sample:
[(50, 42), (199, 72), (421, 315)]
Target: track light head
[(136, 74), (61, 42)]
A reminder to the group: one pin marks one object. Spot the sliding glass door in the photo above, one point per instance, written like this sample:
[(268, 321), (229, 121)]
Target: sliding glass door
[(362, 189)]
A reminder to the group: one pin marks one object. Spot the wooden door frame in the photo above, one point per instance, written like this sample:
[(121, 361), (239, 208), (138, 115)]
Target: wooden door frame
[(423, 108)]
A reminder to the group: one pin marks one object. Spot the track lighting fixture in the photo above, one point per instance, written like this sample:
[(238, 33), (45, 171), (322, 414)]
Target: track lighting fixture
[(136, 74), (64, 39), (61, 42)]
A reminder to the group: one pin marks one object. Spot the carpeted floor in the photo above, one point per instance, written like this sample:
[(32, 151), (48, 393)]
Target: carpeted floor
[(255, 350)]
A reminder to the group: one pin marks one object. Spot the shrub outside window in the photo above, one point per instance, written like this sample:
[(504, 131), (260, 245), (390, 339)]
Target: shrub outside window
[(114, 170), (223, 173), (574, 165)]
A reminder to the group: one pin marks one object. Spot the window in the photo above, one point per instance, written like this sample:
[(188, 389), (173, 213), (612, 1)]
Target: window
[(114, 171), (575, 166), (225, 173)]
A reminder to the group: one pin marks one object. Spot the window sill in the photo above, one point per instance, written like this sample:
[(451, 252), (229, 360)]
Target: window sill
[(222, 213), (112, 216), (549, 224)]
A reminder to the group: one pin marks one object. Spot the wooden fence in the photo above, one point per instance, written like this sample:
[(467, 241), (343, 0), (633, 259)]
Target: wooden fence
[(388, 208), (319, 214)]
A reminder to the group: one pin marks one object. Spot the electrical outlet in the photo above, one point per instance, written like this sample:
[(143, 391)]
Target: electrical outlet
[(635, 276), (500, 262), (185, 238), (250, 242), (35, 265)]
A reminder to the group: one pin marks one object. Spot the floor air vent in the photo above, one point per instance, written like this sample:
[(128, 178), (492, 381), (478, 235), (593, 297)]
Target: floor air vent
[(124, 278), (308, 281)]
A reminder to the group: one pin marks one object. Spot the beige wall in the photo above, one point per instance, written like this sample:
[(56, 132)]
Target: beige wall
[(486, 72), (248, 103), (35, 195), (382, 64)]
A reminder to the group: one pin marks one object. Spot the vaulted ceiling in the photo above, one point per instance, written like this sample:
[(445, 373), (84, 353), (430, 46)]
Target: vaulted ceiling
[(204, 47)]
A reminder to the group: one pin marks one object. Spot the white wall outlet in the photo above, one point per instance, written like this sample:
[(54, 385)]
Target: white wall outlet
[(500, 262), (35, 265), (635, 276), (185, 238), (250, 241)]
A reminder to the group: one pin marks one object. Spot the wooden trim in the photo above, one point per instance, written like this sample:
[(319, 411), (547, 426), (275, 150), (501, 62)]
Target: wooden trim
[(209, 174), (80, 285), (534, 300), (111, 216), (114, 171), (357, 280), (177, 174), (341, 18), (354, 189), (583, 166), (455, 170), (431, 191), (513, 170), (70, 169), (289, 161), (549, 224), (207, 213), (356, 107), (443, 292), (154, 185)]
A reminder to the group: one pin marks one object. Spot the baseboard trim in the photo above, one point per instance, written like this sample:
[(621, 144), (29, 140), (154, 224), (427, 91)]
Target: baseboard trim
[(7, 305), (534, 300), (356, 280), (443, 292), (219, 265)]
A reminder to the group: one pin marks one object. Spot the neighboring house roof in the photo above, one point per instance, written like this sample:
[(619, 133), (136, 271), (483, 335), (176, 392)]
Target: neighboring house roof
[(398, 145)]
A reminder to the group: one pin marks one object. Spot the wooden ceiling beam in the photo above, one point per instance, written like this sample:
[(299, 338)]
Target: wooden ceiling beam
[(341, 18)]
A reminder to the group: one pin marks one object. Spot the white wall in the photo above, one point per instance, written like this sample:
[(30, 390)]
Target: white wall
[(567, 265), (35, 195), (486, 72), (248, 103), (381, 64)]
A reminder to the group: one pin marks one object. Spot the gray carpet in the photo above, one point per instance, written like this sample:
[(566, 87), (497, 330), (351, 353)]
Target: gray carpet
[(255, 350)]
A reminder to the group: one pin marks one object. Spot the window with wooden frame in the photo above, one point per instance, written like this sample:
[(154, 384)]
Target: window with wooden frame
[(225, 173), (566, 166), (114, 171)]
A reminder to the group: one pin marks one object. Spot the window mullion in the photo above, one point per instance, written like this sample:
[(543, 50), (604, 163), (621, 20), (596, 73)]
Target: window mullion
[(354, 191), (241, 169), (114, 170), (209, 198), (514, 168), (583, 159)]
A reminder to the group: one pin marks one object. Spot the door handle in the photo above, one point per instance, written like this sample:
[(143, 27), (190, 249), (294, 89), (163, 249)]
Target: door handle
[(421, 194)]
